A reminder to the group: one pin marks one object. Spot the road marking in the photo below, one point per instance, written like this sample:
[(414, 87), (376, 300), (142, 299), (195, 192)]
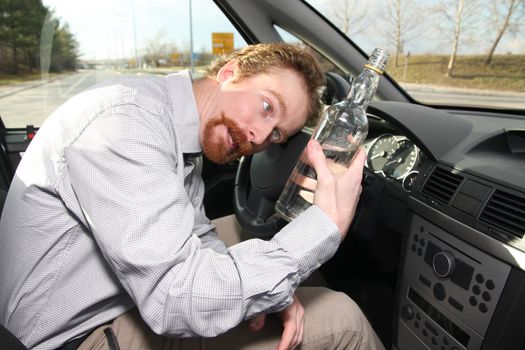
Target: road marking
[(66, 93)]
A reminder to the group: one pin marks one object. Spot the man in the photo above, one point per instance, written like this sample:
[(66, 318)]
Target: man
[(104, 234)]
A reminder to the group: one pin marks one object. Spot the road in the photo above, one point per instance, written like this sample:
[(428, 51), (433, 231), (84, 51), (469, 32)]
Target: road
[(465, 97), (33, 102)]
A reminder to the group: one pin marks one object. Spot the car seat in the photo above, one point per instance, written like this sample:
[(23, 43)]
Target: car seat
[(9, 341), (6, 173)]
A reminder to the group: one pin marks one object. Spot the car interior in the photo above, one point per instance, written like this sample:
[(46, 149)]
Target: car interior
[(435, 256)]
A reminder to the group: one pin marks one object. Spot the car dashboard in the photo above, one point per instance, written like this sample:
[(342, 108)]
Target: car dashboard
[(459, 177), (393, 155)]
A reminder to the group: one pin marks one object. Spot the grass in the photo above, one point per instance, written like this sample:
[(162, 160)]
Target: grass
[(6, 79), (506, 72)]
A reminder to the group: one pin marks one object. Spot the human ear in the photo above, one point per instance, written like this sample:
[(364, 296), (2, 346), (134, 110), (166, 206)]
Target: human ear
[(227, 71)]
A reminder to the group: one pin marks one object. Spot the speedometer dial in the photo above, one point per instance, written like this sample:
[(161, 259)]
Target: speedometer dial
[(381, 151), (402, 161), (392, 156)]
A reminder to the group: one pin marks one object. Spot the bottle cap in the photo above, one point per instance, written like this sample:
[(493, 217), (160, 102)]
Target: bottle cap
[(377, 60)]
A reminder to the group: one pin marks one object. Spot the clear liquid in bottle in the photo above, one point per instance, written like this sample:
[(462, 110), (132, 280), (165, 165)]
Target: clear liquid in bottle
[(340, 132)]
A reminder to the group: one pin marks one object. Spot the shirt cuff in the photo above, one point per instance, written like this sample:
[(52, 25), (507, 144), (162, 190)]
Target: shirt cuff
[(311, 239)]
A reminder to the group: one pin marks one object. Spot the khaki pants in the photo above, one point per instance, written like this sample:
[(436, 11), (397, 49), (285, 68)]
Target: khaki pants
[(332, 321)]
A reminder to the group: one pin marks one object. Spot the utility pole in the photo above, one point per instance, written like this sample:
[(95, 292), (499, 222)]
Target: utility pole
[(191, 40), (135, 36)]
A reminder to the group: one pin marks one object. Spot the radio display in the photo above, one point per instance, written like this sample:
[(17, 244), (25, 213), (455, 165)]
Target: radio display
[(450, 327)]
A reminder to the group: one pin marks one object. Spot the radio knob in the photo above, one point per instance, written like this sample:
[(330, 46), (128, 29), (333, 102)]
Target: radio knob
[(444, 263), (407, 312)]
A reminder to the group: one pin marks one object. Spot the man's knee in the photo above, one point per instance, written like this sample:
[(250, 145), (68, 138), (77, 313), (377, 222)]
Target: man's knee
[(333, 317), (331, 306)]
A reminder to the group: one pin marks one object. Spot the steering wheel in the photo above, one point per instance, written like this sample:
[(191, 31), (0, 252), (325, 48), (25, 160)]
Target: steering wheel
[(261, 177)]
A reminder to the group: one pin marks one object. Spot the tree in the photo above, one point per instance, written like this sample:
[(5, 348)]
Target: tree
[(158, 47), (505, 15), (64, 54), (348, 16), (457, 33), (401, 23), (20, 23), (460, 16)]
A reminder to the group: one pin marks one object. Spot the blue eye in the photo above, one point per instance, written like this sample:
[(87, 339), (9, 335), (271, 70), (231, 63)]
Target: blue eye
[(267, 107), (276, 136)]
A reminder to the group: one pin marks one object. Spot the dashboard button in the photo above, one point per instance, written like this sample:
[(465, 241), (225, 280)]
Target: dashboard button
[(444, 263), (483, 307), (480, 278), (407, 312), (490, 284), (439, 291), (476, 290)]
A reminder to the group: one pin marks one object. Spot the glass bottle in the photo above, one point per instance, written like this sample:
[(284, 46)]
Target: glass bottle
[(340, 131)]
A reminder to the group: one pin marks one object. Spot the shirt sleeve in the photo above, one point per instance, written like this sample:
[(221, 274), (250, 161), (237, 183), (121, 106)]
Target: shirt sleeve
[(129, 182)]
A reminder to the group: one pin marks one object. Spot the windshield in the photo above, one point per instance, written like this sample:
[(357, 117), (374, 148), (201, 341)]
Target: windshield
[(444, 52), (51, 50)]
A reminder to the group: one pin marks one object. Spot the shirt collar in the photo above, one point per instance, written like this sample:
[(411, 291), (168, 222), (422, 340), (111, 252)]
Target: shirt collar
[(186, 117)]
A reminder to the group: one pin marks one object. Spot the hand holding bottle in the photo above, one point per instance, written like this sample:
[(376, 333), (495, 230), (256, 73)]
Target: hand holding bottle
[(336, 195), (340, 131)]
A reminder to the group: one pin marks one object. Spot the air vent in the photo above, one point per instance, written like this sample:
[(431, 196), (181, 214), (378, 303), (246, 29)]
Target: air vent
[(442, 185), (505, 211)]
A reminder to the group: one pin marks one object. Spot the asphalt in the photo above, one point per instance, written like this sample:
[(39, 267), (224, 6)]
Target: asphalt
[(10, 89), (459, 91)]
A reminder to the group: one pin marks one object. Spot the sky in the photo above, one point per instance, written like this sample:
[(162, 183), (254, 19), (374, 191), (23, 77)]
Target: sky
[(114, 28), (110, 28), (432, 32)]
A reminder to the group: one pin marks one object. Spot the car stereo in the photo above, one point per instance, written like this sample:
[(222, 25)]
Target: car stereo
[(449, 290)]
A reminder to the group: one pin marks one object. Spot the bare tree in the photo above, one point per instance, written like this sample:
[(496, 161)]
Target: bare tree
[(460, 14), (457, 34), (348, 15), (158, 47), (401, 23), (505, 15)]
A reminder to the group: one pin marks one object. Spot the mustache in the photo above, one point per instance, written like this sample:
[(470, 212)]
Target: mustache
[(240, 141), (222, 152)]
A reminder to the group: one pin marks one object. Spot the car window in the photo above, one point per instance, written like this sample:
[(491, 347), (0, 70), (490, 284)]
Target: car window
[(325, 63), (448, 52), (53, 49)]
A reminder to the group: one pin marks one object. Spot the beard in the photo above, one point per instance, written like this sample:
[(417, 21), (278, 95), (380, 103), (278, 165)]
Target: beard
[(219, 150)]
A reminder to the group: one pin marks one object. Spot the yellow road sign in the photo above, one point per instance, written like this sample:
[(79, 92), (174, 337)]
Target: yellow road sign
[(222, 43)]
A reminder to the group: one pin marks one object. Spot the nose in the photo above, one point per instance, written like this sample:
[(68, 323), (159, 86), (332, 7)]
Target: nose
[(259, 134)]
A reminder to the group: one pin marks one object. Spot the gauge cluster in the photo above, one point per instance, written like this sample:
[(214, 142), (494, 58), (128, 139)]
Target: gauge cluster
[(395, 157)]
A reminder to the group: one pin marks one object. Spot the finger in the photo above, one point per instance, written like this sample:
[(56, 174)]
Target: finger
[(358, 162), (305, 182), (355, 169), (299, 319), (300, 332), (307, 196), (317, 159), (289, 334), (257, 323)]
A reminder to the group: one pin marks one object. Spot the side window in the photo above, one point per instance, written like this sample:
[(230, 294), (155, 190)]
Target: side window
[(326, 64), (51, 50), (327, 94)]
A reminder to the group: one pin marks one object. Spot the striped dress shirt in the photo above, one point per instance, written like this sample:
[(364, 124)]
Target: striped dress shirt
[(105, 213)]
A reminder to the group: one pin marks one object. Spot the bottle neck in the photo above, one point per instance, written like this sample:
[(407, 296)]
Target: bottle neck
[(364, 87)]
